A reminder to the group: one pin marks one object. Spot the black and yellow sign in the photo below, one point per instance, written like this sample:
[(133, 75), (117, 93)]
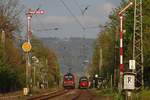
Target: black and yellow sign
[(26, 47)]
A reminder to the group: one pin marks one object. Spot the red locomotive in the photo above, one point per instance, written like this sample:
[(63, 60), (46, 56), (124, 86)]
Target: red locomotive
[(69, 81), (83, 82)]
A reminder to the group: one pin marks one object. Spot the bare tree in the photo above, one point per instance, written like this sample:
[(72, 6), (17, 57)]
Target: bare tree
[(10, 11)]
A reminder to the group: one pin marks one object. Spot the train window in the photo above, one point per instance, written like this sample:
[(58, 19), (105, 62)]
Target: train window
[(68, 77), (83, 80)]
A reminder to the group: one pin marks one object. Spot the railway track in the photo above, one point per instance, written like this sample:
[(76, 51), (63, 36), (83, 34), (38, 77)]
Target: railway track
[(47, 96), (83, 95), (15, 97)]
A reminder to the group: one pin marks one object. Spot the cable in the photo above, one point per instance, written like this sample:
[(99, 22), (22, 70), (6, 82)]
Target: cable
[(78, 5), (76, 19)]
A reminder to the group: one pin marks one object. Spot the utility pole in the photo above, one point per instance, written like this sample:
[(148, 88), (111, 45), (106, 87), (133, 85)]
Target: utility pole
[(116, 58), (3, 38), (100, 61), (138, 44), (35, 62), (121, 44), (46, 71)]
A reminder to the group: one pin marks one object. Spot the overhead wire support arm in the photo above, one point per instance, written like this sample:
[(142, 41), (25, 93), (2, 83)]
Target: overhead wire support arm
[(125, 8)]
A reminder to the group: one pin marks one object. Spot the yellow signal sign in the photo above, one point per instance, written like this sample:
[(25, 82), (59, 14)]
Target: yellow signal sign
[(26, 47)]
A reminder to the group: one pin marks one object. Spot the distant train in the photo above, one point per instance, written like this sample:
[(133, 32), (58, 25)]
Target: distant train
[(69, 81), (83, 82)]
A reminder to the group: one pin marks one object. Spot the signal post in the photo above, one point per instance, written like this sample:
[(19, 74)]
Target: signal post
[(27, 48), (121, 45)]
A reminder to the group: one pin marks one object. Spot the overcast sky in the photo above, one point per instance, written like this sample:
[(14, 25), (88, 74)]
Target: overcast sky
[(57, 15)]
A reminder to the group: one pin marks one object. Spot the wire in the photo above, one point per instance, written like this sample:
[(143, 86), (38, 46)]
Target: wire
[(76, 19), (78, 5), (92, 27), (82, 10), (49, 29)]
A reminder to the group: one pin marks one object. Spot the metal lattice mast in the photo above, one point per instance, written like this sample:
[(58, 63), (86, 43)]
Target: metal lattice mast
[(138, 44)]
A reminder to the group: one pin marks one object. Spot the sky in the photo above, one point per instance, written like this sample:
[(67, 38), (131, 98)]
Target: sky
[(72, 22)]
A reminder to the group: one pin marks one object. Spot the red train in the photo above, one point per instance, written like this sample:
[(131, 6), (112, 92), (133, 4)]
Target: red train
[(69, 81), (83, 82)]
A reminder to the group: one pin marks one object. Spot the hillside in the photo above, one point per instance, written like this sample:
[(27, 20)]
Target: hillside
[(73, 53)]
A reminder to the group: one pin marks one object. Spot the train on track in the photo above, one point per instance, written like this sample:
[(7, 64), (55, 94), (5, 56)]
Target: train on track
[(69, 81), (83, 82)]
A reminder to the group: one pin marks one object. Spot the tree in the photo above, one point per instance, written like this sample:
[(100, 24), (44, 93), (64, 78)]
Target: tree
[(107, 40), (48, 60), (10, 11), (146, 41), (11, 66)]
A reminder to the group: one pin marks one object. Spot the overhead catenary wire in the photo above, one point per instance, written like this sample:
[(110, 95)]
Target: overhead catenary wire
[(76, 19), (78, 5), (82, 10), (48, 29)]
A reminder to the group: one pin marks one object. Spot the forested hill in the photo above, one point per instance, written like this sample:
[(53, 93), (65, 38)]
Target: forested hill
[(72, 52)]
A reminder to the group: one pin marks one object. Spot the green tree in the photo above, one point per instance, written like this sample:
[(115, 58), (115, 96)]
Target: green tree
[(11, 66), (48, 60), (146, 41), (107, 40)]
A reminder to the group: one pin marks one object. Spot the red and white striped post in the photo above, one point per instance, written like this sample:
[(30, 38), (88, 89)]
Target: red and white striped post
[(121, 52), (121, 44)]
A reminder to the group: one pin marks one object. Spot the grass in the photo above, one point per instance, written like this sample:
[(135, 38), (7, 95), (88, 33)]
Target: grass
[(118, 97), (109, 92), (104, 92), (144, 95)]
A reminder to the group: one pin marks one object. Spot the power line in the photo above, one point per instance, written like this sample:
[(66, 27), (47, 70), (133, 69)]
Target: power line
[(76, 19)]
